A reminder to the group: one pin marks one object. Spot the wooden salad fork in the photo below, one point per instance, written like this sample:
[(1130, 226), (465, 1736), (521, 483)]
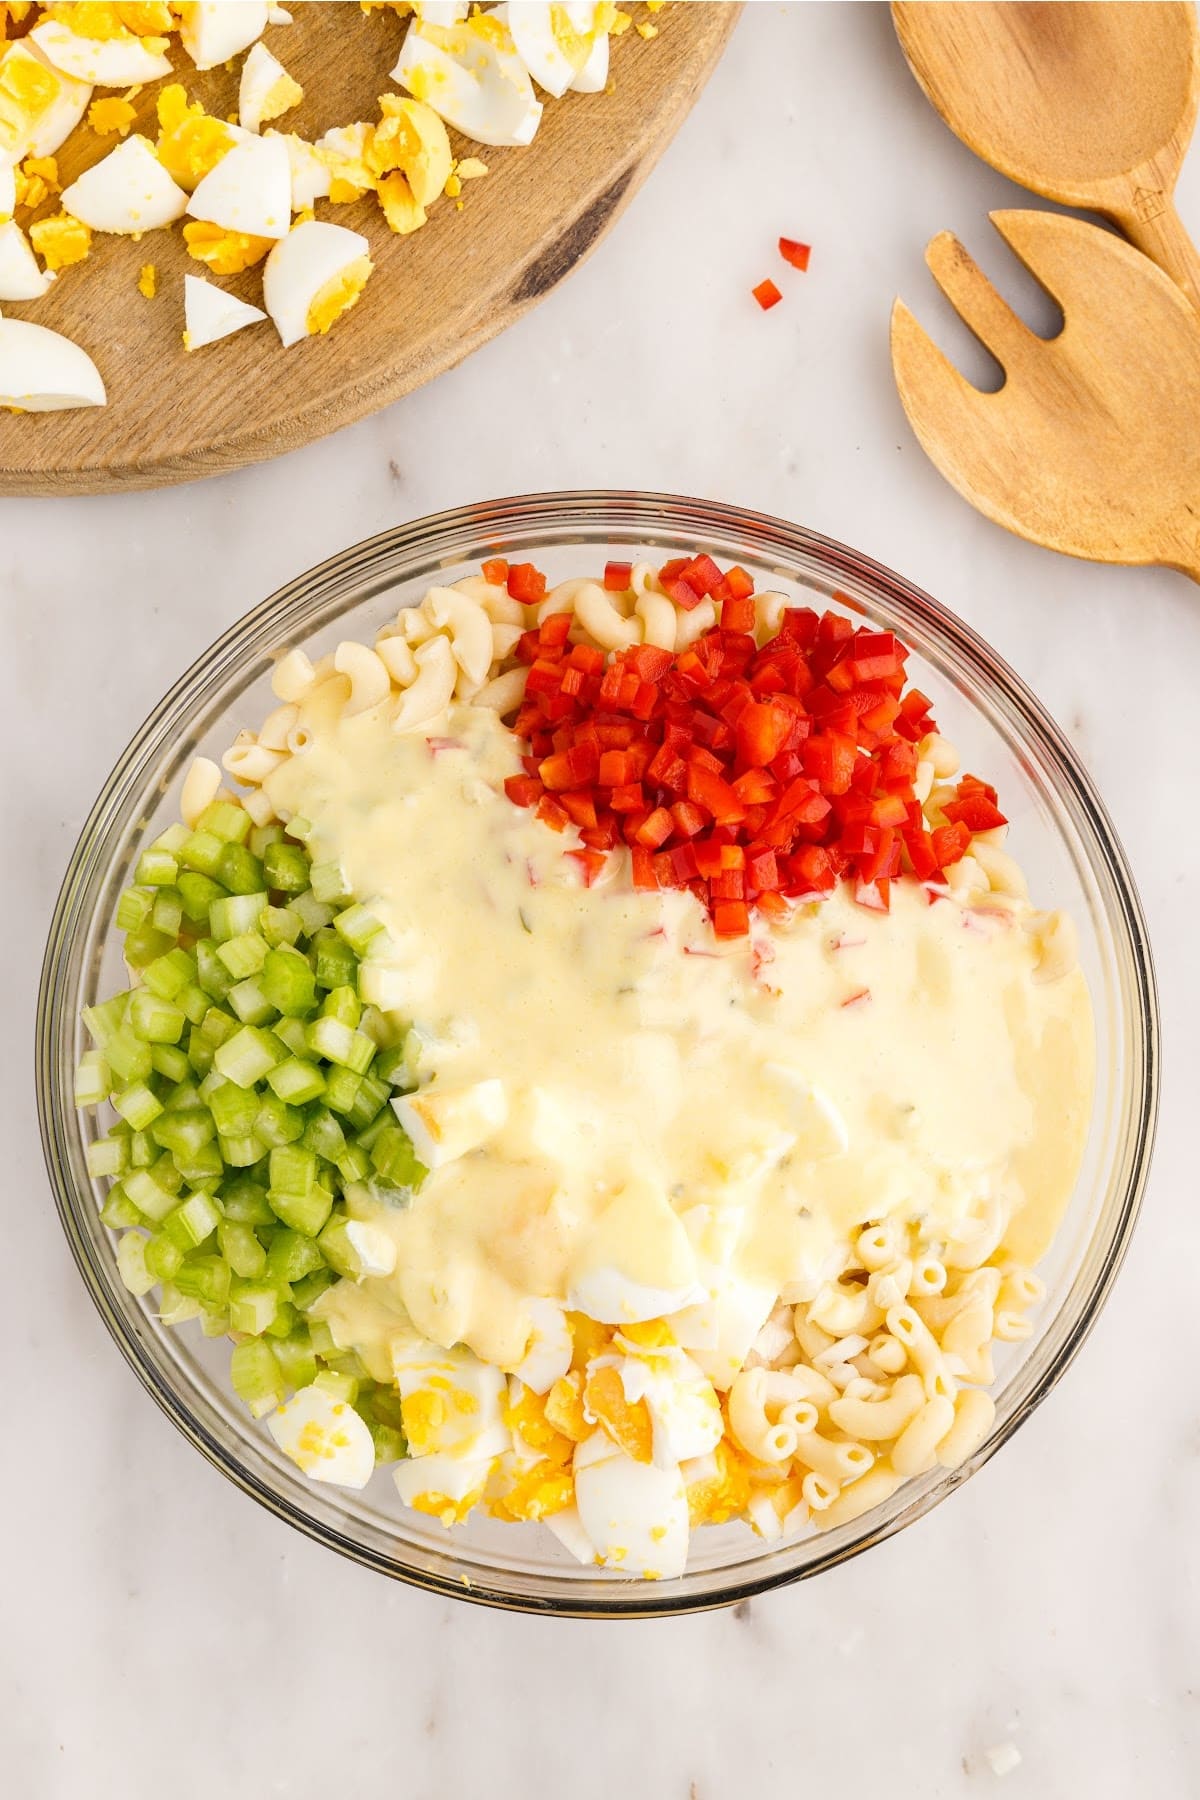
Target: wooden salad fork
[(1092, 445)]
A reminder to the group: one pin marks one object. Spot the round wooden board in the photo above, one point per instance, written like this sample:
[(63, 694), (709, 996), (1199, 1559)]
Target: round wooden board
[(434, 297)]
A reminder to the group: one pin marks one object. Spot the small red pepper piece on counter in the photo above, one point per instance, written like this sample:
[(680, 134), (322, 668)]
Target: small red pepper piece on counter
[(767, 294), (795, 253)]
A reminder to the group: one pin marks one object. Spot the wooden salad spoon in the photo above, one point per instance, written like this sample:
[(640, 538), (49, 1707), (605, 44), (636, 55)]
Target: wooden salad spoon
[(1088, 104), (1091, 446)]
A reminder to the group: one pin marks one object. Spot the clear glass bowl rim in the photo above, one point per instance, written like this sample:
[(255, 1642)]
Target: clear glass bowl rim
[(525, 521)]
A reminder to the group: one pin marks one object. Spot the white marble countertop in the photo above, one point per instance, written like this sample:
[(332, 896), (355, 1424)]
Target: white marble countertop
[(161, 1635)]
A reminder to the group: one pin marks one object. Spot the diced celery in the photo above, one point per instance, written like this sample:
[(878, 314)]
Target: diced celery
[(155, 1021), (202, 853), (138, 1104), (128, 1055), (244, 1151), (131, 1263), (167, 913), (164, 1257), (263, 835), (353, 1164), (193, 1002), (172, 839), (143, 1151), (293, 1171), (286, 868), (246, 1200), (241, 1249), (234, 914), (199, 1051), (156, 868), (168, 976), (300, 828), (226, 820), (390, 1444), (312, 913), (212, 974), (144, 945), (295, 1080), (193, 1220), (329, 882), (182, 1095), (343, 1004), (185, 1130), (390, 1066), (376, 1026), (323, 1134), (218, 1026), (133, 908), (357, 926), (214, 1322), (294, 1034), (369, 1100), (341, 1387), (198, 893), (318, 1330), (118, 1209), (341, 1090), (93, 1079), (395, 1160), (163, 1171), (255, 1374), (105, 1020), (307, 1289), (286, 1320), (202, 1168), (252, 1307), (244, 954), (250, 1003), (341, 1045), (337, 1249), (175, 1308), (170, 1061), (291, 1257), (205, 1278), (336, 963), (294, 1354), (107, 1157), (278, 1124), (288, 982), (280, 926), (240, 871), (306, 1213), (247, 1056)]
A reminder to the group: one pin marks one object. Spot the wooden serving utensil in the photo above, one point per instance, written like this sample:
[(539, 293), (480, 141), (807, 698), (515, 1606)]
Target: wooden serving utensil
[(1088, 104), (1091, 446)]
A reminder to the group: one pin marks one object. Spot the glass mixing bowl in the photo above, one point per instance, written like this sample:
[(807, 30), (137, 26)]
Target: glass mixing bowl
[(1060, 832)]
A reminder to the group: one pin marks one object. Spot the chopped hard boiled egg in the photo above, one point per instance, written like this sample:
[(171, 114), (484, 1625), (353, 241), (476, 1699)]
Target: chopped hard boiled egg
[(634, 1514), (471, 75), (603, 1288), (445, 1123), (549, 42), (266, 91), (42, 371), (8, 191), (60, 240), (685, 1414), (324, 1437), (224, 252), (105, 62), (374, 1248), (310, 172), (20, 277), (548, 1353), (212, 31), (211, 314), (450, 1402), (191, 143), (445, 1487), (593, 77), (128, 192), (39, 105), (410, 137), (250, 190)]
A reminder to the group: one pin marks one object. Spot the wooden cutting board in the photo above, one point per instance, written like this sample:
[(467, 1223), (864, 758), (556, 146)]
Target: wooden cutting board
[(434, 297)]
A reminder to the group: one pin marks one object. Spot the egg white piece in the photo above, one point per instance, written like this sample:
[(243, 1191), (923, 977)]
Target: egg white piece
[(20, 276), (446, 1122), (609, 1296), (261, 73), (685, 1413), (427, 1482), (42, 371), (567, 1527), (249, 190), (214, 30), (126, 192), (538, 44), (372, 1245), (310, 175), (8, 191), (720, 1329), (635, 1514), (209, 313), (44, 135), (324, 1437), (105, 62), (450, 1401), (593, 77), (479, 87), (298, 268), (548, 1354), (278, 15), (441, 12)]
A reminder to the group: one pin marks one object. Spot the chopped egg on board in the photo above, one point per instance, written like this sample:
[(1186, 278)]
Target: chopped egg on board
[(113, 114), (224, 252), (410, 137), (343, 150), (450, 1402), (266, 90), (105, 62), (250, 190), (445, 1123), (191, 143), (549, 42), (211, 314), (212, 31), (635, 1515), (593, 77), (20, 277), (441, 12), (127, 192), (39, 105), (8, 191), (60, 240), (445, 1487), (324, 1437), (472, 77), (42, 371), (310, 172)]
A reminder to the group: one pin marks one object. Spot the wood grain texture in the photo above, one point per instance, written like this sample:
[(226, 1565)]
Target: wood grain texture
[(1089, 104), (1090, 447), (434, 296)]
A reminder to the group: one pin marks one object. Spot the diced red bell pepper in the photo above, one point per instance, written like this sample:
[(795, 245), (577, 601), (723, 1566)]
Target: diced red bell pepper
[(731, 918), (495, 571), (761, 732), (617, 577), (526, 583), (795, 253), (655, 830), (767, 294), (523, 790)]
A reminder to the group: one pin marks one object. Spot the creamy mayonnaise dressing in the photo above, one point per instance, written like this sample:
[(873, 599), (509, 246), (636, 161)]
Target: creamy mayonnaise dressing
[(673, 1101)]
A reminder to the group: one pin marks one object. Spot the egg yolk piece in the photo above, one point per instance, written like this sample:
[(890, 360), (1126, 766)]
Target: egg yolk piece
[(224, 252), (338, 295), (61, 240)]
